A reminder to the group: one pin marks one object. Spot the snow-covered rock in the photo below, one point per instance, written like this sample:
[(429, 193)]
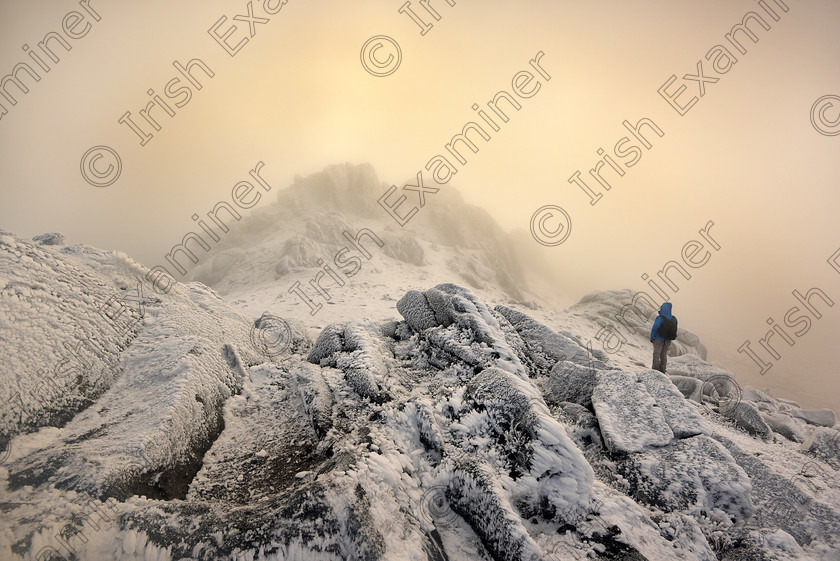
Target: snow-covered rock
[(824, 443), (546, 347), (696, 476), (680, 415), (405, 249), (819, 417), (785, 425), (448, 434), (52, 238), (691, 388), (748, 417), (416, 310), (572, 382), (629, 417)]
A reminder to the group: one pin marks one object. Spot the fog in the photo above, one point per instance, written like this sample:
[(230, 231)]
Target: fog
[(755, 153)]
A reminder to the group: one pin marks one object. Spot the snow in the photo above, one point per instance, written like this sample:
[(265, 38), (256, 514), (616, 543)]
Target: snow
[(413, 418), (820, 417), (681, 416), (570, 382), (747, 416), (696, 476), (629, 417)]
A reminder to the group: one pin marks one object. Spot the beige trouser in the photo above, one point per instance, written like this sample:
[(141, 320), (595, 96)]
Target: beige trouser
[(660, 354)]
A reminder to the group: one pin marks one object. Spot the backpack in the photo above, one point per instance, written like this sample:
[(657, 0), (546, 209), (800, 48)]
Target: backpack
[(668, 329)]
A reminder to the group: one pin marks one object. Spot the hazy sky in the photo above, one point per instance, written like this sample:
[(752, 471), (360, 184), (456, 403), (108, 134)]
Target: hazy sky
[(750, 154)]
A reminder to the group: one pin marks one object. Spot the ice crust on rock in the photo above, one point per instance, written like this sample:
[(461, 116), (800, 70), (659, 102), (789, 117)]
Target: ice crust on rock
[(819, 417), (695, 476), (748, 417), (691, 388), (571, 382), (629, 417), (640, 410), (680, 415), (416, 310), (546, 347)]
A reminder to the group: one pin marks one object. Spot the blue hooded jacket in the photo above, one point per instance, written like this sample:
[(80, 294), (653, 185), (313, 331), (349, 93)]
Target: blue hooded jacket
[(665, 311)]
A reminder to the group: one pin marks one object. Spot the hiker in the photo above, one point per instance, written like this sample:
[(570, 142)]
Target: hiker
[(664, 331)]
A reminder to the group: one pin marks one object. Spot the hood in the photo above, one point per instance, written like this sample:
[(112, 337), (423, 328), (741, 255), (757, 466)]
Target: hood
[(665, 310)]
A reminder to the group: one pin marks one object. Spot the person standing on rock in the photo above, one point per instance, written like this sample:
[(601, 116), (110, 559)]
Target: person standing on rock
[(664, 331)]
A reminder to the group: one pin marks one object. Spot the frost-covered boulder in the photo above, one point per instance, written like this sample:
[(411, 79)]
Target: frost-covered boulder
[(149, 431), (477, 495), (748, 417), (719, 385), (329, 342), (629, 417), (535, 444), (456, 304), (580, 423), (819, 417), (51, 238), (769, 404), (755, 395), (771, 544), (362, 361), (449, 303), (574, 413), (77, 320), (572, 382), (695, 367), (442, 305), (691, 388), (274, 336), (502, 397), (465, 329), (643, 409), (824, 443), (356, 349), (316, 396), (680, 415), (66, 314), (695, 476), (416, 310), (788, 403), (548, 347), (785, 425)]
